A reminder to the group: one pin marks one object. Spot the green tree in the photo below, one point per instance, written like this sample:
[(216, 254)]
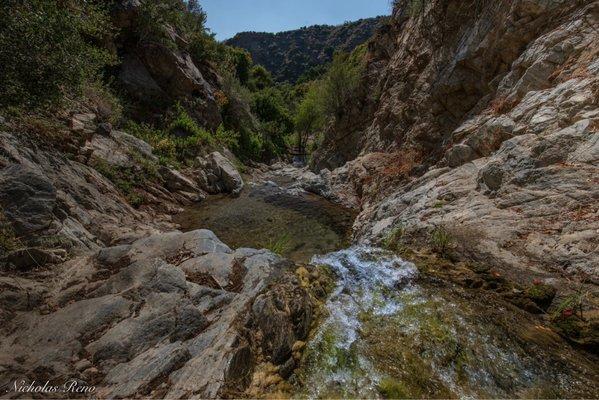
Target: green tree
[(340, 83), (310, 116), (260, 78), (50, 48)]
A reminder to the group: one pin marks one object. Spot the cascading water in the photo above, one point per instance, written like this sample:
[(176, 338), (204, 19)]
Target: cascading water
[(386, 336)]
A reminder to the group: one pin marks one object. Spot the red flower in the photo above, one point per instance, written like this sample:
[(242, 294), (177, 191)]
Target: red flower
[(568, 312), (537, 282)]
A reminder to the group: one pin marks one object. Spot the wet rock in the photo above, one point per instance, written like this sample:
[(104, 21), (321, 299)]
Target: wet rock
[(283, 316)]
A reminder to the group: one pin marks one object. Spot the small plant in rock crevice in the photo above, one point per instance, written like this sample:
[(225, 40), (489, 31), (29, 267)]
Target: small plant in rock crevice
[(441, 240)]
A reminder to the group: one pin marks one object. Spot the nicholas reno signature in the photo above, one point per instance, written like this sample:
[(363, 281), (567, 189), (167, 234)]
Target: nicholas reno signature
[(70, 386)]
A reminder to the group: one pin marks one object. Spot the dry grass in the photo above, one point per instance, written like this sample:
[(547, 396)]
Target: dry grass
[(501, 105)]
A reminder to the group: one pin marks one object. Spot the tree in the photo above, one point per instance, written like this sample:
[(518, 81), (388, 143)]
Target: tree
[(310, 117), (260, 78), (340, 84), (49, 49)]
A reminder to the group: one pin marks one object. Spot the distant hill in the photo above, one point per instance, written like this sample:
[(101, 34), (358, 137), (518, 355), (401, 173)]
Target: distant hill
[(287, 55)]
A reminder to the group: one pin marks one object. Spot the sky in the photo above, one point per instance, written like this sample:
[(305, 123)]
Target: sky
[(228, 17)]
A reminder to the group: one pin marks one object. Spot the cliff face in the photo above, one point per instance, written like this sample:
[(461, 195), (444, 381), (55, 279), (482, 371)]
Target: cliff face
[(481, 118), (287, 55), (431, 68)]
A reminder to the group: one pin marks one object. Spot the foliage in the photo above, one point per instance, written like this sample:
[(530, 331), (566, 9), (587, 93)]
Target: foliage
[(310, 116), (298, 56), (340, 84), (393, 389), (279, 246), (8, 240), (228, 138), (185, 127), (259, 78), (440, 240), (107, 105), (48, 50), (126, 179), (393, 239)]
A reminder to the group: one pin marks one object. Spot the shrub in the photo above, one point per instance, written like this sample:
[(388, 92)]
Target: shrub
[(393, 389), (47, 49), (259, 78), (310, 116), (8, 240), (103, 101), (127, 179), (227, 138)]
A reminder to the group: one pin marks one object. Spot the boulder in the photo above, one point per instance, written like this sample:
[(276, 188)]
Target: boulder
[(27, 199), (218, 175), (459, 155), (491, 176), (104, 129), (176, 181)]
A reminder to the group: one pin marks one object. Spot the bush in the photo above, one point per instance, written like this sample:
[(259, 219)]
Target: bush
[(310, 116), (8, 240), (227, 138), (47, 49)]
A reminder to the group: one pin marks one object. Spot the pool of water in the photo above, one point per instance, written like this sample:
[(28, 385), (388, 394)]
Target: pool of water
[(295, 224)]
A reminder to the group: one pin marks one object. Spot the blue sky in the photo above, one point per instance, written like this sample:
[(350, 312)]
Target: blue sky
[(227, 17)]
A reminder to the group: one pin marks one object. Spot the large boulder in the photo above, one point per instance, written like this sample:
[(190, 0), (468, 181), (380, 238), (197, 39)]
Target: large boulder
[(218, 175)]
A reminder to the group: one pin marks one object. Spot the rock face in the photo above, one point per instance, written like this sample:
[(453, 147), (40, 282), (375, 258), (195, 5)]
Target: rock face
[(160, 67), (164, 316), (489, 119)]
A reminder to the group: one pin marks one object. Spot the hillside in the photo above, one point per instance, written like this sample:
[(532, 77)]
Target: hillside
[(288, 55)]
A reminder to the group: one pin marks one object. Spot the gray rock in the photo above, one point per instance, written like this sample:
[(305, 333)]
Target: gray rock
[(176, 181), (491, 176), (220, 175), (104, 129), (459, 155), (27, 198), (135, 377)]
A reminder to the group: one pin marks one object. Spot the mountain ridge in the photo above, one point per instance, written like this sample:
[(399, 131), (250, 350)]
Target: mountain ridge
[(290, 54)]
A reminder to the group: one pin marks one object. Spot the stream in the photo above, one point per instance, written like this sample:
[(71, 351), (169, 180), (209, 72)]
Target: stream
[(386, 332)]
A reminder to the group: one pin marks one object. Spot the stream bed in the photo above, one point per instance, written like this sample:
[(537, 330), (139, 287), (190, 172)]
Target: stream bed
[(387, 333)]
